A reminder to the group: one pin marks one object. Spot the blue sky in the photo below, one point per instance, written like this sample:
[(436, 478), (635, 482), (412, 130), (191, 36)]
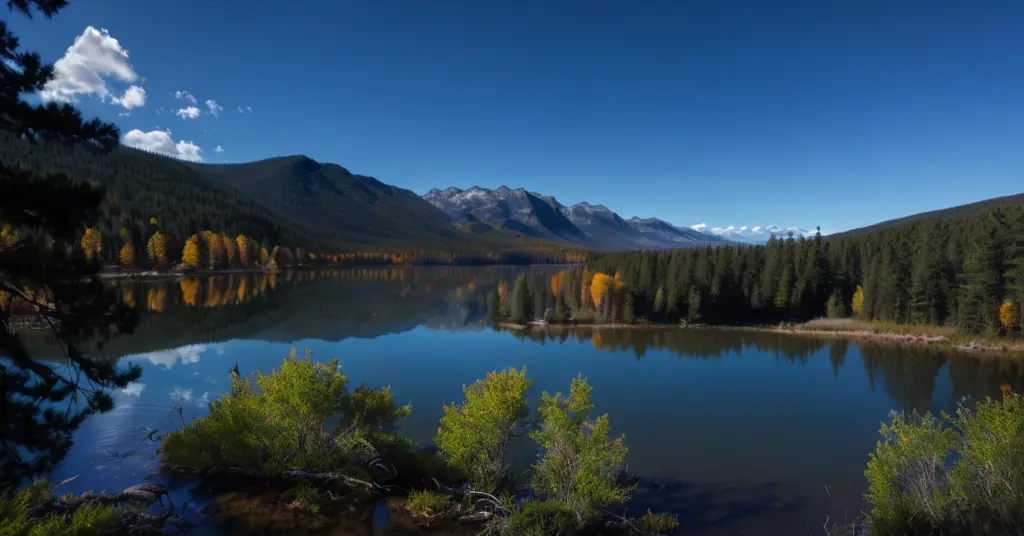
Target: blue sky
[(837, 114)]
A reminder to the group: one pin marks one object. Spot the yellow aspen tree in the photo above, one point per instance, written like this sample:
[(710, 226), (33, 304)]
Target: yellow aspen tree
[(190, 253), (92, 243), (600, 287), (1007, 315), (156, 248), (243, 249), (264, 256), (127, 254), (857, 305)]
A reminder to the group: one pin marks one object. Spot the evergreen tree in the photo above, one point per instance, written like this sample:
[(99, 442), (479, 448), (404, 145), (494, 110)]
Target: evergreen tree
[(561, 314), (695, 305), (44, 217), (628, 314), (981, 288), (520, 307)]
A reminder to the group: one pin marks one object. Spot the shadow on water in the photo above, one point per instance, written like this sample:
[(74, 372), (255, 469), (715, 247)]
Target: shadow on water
[(711, 507)]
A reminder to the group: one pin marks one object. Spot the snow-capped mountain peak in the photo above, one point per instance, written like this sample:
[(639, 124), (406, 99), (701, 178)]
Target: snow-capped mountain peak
[(755, 234)]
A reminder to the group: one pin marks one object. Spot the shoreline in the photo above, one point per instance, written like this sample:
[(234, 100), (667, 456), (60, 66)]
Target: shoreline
[(979, 347), (177, 274)]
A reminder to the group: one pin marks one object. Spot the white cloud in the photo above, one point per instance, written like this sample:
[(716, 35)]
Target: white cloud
[(134, 97), (187, 113), (160, 141), (245, 109), (756, 234), (133, 389), (123, 114), (85, 67), (215, 109), (219, 149), (185, 95)]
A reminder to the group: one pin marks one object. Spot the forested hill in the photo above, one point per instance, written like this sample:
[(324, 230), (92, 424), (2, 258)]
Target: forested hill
[(329, 196), (962, 272), (961, 212), (292, 202)]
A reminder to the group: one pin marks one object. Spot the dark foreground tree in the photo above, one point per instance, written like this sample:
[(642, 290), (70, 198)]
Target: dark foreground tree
[(44, 281)]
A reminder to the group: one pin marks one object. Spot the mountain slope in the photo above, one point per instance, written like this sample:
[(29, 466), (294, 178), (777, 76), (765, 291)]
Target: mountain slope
[(329, 196), (958, 213), (593, 226)]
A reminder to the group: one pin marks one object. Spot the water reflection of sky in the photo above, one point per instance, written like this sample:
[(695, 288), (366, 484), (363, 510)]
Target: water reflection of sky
[(753, 427)]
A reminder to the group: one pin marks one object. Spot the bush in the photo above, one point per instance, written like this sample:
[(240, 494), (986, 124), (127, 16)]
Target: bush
[(426, 503), (652, 524), (472, 436), (959, 474), (23, 515), (581, 465), (283, 424)]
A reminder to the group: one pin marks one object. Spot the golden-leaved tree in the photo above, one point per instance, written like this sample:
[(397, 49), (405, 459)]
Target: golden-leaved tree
[(127, 253), (858, 301), (243, 249), (92, 243), (156, 249), (190, 253), (1007, 315)]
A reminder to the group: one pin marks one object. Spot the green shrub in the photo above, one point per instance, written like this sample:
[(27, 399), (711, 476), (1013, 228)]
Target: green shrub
[(426, 503), (581, 465), (651, 524), (22, 515), (959, 474), (472, 436), (281, 423), (542, 518)]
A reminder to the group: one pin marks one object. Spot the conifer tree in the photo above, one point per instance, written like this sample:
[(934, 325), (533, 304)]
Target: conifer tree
[(520, 306), (47, 215)]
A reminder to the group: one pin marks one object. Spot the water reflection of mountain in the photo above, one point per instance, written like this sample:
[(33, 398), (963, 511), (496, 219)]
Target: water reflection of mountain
[(906, 374), (329, 305)]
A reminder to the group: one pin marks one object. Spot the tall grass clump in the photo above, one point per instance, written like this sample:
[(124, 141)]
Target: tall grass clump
[(300, 416), (950, 475)]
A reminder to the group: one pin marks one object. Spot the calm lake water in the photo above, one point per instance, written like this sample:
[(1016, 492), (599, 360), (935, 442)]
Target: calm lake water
[(746, 433)]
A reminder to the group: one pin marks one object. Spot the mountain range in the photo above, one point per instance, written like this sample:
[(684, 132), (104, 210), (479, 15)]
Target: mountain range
[(542, 216), (297, 201)]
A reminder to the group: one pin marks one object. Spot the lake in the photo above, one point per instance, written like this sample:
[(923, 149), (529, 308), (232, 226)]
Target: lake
[(738, 432)]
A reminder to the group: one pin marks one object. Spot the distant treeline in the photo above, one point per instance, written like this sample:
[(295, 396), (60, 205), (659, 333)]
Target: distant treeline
[(963, 273)]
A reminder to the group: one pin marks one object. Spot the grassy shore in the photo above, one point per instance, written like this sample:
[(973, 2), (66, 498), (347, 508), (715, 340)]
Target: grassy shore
[(846, 328), (899, 333)]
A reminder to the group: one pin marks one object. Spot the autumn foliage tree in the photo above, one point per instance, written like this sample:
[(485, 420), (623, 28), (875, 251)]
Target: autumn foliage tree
[(190, 253), (92, 243), (1008, 315), (156, 249)]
